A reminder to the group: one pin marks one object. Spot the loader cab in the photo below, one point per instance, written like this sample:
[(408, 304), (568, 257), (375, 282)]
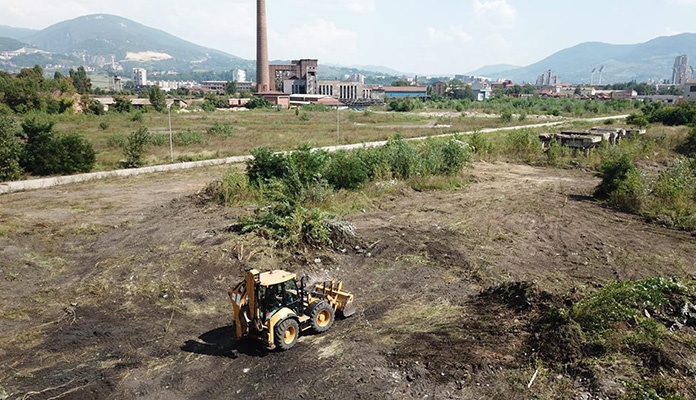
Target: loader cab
[(276, 292)]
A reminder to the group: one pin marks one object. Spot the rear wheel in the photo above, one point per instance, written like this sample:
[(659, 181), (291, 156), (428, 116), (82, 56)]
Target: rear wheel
[(286, 333), (322, 317)]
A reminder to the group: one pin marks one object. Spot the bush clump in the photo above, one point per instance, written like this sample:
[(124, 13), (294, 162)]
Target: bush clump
[(292, 186), (46, 153)]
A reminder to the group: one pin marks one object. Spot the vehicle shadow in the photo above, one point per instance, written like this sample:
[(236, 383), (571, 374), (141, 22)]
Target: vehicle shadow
[(220, 342)]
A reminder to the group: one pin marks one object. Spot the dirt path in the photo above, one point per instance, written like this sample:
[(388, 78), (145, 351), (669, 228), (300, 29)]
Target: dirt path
[(117, 289)]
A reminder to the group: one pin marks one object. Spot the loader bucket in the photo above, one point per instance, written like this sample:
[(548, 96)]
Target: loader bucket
[(348, 309)]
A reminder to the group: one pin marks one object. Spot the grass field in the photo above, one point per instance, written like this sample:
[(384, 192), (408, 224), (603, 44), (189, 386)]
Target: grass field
[(194, 138)]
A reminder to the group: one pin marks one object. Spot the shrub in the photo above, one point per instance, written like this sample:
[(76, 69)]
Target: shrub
[(188, 137), (234, 188), (621, 183), (403, 157), (258, 102), (627, 301), (116, 140), (134, 148), (347, 170), (402, 105), (138, 116), (688, 147), (46, 154), (522, 144), (10, 150), (638, 120), (265, 166), (506, 116), (159, 140), (673, 195), (76, 154), (220, 129), (292, 226), (480, 143)]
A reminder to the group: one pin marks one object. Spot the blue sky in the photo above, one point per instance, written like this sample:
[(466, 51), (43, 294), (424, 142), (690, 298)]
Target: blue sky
[(424, 37)]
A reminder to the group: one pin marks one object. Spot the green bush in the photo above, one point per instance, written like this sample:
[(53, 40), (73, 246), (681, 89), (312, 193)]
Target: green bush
[(613, 172), (10, 149), (47, 154), (627, 301), (221, 129), (673, 195), (347, 170), (480, 143), (138, 116), (188, 137), (134, 147), (116, 140), (76, 154), (523, 144), (234, 188), (629, 194), (265, 166), (258, 102), (403, 157), (688, 147), (506, 116), (159, 140)]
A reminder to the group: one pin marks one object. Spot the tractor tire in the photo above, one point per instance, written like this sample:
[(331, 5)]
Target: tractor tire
[(286, 333), (322, 317)]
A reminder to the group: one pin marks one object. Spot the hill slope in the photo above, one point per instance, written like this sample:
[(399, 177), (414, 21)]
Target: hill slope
[(647, 61), (15, 33), (99, 37)]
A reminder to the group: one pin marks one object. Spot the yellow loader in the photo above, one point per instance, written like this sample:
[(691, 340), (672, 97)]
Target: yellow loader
[(273, 308)]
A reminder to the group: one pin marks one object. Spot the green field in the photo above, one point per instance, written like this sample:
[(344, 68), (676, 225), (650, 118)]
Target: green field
[(246, 130)]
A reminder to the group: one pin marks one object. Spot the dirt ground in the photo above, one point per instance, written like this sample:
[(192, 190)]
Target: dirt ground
[(116, 289)]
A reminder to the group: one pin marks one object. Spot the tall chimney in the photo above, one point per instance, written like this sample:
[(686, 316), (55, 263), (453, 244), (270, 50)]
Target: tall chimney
[(263, 79)]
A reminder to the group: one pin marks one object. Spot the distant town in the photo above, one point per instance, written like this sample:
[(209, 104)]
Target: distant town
[(297, 83)]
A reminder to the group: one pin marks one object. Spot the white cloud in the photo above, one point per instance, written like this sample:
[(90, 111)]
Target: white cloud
[(451, 34), (496, 12), (322, 39), (682, 2), (360, 6)]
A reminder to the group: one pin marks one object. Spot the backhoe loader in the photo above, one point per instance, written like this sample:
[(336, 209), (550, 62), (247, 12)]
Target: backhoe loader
[(273, 308)]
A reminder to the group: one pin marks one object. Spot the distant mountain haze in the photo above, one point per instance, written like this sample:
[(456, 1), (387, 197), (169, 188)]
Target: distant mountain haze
[(102, 41), (643, 62)]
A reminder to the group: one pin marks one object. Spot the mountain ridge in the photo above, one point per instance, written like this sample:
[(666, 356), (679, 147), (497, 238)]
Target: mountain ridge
[(105, 41)]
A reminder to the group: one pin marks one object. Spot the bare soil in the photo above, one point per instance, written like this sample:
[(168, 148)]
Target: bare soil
[(117, 289)]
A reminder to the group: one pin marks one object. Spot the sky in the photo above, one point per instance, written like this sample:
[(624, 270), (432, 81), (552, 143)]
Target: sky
[(422, 37)]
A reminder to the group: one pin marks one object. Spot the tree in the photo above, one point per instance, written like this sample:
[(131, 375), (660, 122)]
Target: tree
[(10, 150), (134, 147), (80, 80), (400, 82), (46, 154), (157, 99), (230, 87), (122, 104), (258, 102)]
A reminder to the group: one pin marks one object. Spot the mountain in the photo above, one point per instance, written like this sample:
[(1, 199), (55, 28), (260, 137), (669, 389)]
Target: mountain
[(15, 33), (102, 41), (9, 44), (643, 62), (492, 69)]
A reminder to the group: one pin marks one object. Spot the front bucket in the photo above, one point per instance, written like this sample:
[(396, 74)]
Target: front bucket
[(348, 309)]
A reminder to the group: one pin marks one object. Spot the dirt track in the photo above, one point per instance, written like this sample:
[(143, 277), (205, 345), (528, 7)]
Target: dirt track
[(117, 289)]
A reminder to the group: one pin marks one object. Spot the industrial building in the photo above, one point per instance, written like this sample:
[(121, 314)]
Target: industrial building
[(681, 72), (139, 77)]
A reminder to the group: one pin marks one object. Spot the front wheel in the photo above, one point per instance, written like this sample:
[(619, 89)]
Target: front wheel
[(286, 333), (322, 317)]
